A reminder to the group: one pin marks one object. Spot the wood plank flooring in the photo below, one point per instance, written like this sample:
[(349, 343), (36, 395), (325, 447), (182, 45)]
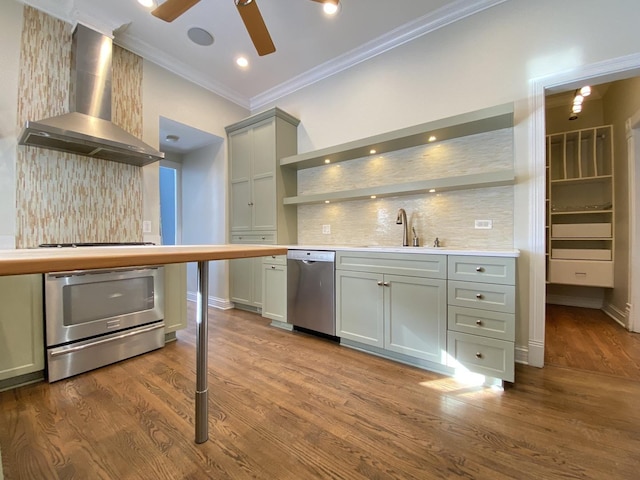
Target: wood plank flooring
[(588, 339), (291, 406)]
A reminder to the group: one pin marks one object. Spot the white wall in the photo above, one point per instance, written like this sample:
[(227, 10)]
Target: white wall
[(10, 30), (481, 61), (204, 213)]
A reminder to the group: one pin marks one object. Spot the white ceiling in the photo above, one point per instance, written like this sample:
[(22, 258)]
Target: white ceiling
[(309, 45)]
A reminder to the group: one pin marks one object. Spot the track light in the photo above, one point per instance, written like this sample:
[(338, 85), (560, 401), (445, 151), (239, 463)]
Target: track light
[(578, 99)]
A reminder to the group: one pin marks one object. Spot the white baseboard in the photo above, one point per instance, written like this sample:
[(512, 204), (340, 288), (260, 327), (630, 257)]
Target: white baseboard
[(522, 355), (214, 302), (535, 354), (570, 301), (618, 315)]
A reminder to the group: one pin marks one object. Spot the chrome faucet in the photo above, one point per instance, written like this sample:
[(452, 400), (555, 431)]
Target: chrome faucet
[(402, 220)]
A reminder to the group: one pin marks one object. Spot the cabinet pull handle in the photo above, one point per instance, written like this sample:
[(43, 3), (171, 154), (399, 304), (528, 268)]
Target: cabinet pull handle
[(250, 204), (386, 284), (479, 323), (263, 238), (478, 355), (273, 267), (379, 284), (480, 269), (479, 296)]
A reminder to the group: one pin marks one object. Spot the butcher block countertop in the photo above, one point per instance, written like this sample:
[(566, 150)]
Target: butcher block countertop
[(41, 260)]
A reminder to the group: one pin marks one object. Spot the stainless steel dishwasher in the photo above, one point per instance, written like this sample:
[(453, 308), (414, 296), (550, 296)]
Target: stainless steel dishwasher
[(311, 290)]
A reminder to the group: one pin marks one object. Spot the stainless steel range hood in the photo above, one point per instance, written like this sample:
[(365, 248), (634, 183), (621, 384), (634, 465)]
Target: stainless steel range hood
[(88, 129)]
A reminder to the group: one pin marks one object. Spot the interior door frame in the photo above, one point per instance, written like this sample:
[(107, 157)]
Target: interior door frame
[(600, 72), (633, 149)]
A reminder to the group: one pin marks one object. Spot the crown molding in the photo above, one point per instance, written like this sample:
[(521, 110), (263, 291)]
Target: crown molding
[(446, 15)]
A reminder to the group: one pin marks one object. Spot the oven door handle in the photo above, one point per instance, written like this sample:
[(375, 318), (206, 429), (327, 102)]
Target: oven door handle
[(105, 340)]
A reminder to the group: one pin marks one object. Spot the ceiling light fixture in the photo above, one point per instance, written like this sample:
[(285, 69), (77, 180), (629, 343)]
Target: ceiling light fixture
[(372, 151), (432, 138), (326, 160), (373, 196), (330, 7), (432, 190), (242, 62), (147, 3), (327, 201), (578, 99), (171, 138)]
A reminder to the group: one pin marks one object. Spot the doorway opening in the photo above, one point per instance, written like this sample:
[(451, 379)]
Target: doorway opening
[(615, 301)]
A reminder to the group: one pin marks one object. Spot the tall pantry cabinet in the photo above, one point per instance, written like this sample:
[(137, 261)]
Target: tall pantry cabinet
[(257, 185)]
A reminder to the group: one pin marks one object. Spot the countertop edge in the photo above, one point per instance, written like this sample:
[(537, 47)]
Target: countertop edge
[(413, 250)]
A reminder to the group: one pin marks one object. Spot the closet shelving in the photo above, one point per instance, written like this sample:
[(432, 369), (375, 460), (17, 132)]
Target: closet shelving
[(580, 207)]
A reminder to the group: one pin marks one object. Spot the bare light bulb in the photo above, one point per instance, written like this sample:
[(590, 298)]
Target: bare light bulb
[(330, 8), (585, 91)]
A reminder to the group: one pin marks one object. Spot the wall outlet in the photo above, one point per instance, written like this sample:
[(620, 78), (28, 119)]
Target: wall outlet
[(484, 224), (326, 229), (146, 226)]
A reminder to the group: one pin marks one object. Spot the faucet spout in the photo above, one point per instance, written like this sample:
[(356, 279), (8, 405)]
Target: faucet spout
[(402, 220)]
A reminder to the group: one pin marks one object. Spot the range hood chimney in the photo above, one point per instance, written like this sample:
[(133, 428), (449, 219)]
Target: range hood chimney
[(88, 129)]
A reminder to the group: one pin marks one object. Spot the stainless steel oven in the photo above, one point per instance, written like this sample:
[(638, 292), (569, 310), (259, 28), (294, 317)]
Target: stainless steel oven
[(97, 317)]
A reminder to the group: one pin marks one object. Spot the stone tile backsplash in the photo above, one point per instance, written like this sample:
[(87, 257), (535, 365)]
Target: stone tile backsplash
[(449, 216)]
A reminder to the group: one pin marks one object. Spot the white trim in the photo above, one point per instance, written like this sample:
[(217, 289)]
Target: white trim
[(607, 70), (633, 146), (522, 355), (214, 302), (616, 314)]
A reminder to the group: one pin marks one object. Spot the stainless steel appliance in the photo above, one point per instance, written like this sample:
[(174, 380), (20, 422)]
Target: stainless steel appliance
[(97, 317), (311, 290)]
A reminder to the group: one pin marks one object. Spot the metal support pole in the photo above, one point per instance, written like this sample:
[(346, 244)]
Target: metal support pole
[(202, 317)]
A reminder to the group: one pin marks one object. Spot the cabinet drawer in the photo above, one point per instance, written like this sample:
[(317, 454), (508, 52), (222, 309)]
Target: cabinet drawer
[(581, 230), (259, 238), (411, 264), (483, 355), (274, 260), (486, 296), (500, 270), (576, 272), (482, 322)]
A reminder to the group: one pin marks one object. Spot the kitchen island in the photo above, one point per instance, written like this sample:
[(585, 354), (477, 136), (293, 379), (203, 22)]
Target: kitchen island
[(27, 261)]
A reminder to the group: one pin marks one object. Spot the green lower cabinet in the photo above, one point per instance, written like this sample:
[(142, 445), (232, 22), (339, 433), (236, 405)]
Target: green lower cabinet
[(274, 288), (360, 307), (175, 297), (416, 317), (402, 314)]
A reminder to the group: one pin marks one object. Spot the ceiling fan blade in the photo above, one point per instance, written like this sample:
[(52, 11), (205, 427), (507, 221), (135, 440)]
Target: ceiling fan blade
[(256, 27), (172, 9)]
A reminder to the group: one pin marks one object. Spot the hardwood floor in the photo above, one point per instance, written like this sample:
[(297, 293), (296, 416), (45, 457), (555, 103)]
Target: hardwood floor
[(291, 406), (588, 339)]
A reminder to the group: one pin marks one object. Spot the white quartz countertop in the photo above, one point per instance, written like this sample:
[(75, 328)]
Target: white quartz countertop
[(427, 250)]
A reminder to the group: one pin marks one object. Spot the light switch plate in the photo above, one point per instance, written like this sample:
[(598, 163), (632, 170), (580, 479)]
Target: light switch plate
[(146, 226), (326, 229), (484, 224)]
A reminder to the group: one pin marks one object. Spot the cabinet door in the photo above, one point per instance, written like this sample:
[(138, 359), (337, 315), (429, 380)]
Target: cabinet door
[(263, 188), (416, 317), (256, 270), (21, 325), (175, 297), (241, 280), (274, 292), (359, 307), (240, 155)]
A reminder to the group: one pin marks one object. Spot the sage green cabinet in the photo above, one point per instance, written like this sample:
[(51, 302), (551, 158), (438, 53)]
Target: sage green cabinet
[(175, 297), (274, 288), (257, 185), (405, 314), (21, 325)]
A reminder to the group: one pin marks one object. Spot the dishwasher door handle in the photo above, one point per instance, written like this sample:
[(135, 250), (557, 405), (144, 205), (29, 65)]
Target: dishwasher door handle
[(308, 262)]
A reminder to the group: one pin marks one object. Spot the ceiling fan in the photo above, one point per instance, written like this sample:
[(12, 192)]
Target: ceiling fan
[(249, 12)]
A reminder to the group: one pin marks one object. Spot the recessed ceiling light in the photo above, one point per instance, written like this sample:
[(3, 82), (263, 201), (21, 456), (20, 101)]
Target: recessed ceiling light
[(242, 62), (372, 151), (147, 3), (432, 138), (200, 36), (326, 160), (172, 138), (330, 7)]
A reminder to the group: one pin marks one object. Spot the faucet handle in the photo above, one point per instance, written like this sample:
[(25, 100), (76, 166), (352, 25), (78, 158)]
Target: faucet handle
[(436, 243)]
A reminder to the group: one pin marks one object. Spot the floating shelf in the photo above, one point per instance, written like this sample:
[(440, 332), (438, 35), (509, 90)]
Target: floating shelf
[(462, 182), (480, 121)]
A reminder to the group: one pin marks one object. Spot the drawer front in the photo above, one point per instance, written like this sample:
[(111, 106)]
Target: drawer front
[(257, 238), (482, 322), (576, 272), (486, 296), (483, 355), (501, 270), (275, 260), (411, 264)]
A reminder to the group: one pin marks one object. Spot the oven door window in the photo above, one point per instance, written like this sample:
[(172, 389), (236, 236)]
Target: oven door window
[(87, 302)]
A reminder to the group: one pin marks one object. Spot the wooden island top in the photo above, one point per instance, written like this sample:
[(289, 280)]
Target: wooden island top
[(42, 260)]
